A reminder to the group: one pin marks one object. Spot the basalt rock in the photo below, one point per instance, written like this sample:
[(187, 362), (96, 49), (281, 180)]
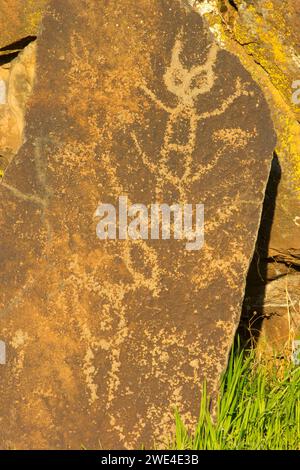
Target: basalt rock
[(105, 338)]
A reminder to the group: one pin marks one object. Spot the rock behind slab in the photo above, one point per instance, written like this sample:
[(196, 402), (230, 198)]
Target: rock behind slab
[(16, 80), (19, 19)]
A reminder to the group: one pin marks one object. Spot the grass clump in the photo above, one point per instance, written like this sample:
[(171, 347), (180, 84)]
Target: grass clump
[(258, 408)]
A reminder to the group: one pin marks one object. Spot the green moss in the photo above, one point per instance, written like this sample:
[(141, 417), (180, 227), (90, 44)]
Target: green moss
[(257, 40), (33, 13)]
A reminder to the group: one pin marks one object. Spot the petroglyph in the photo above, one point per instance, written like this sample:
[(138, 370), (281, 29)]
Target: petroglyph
[(187, 85)]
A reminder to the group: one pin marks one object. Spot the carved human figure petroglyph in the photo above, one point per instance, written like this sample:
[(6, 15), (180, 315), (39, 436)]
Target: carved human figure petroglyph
[(187, 85)]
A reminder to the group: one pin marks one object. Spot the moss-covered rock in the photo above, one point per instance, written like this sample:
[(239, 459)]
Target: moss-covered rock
[(19, 19), (265, 35)]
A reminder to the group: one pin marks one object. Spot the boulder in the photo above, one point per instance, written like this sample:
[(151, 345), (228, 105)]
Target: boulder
[(106, 338)]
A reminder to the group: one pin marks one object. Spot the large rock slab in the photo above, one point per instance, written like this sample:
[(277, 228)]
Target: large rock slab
[(105, 338)]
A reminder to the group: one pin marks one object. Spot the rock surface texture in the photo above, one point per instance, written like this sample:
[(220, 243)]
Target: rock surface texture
[(106, 338), (265, 35)]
